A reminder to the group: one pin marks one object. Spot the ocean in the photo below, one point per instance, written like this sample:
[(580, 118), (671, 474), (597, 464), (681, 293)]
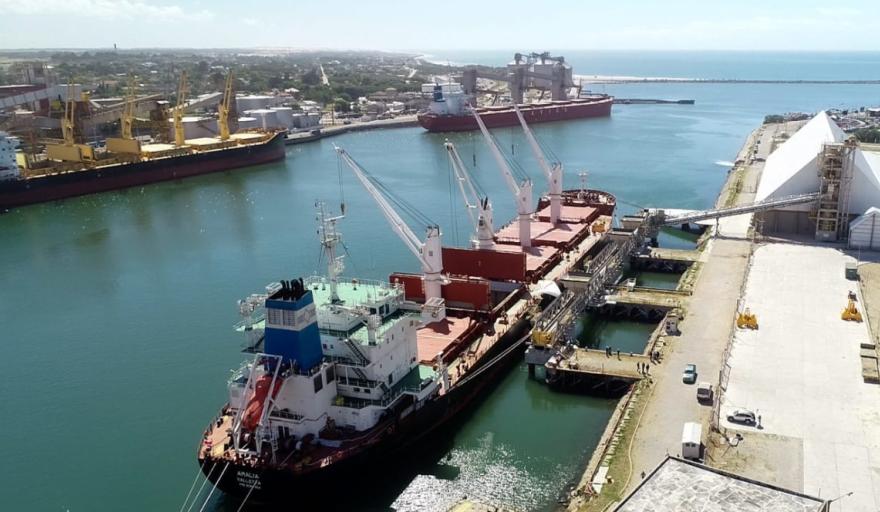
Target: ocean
[(117, 309)]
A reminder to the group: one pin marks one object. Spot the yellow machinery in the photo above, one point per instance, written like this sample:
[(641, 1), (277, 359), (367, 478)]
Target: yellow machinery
[(179, 135), (127, 143), (851, 313), (70, 151), (541, 338), (225, 107), (127, 120), (747, 320)]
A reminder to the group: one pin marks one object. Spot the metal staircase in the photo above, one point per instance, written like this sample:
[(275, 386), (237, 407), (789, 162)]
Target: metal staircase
[(359, 357)]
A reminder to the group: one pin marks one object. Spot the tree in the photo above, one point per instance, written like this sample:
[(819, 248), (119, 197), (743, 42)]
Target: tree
[(311, 77), (869, 135)]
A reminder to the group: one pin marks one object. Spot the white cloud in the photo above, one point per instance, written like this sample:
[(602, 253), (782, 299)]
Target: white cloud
[(104, 9)]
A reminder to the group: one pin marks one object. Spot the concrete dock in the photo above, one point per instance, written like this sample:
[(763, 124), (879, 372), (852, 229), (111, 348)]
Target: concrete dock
[(598, 363)]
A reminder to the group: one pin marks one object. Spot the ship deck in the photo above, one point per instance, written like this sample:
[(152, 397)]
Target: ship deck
[(569, 213), (436, 337), (536, 256), (543, 233)]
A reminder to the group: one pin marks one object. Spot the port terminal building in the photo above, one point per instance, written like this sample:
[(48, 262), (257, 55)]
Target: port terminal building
[(821, 157)]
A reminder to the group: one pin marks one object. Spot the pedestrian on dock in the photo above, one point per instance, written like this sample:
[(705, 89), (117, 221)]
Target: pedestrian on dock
[(618, 354)]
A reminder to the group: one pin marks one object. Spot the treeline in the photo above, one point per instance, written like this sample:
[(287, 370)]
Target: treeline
[(869, 135)]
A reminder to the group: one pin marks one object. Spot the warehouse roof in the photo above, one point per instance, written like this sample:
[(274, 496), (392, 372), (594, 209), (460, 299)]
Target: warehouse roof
[(682, 486), (793, 168)]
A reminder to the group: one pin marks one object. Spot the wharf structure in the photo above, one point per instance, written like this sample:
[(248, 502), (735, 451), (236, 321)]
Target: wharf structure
[(811, 184)]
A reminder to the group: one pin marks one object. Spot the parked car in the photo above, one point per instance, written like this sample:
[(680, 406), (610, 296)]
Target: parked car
[(704, 392), (690, 374), (743, 416)]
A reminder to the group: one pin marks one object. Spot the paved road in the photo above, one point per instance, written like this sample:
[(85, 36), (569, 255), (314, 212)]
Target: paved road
[(705, 331)]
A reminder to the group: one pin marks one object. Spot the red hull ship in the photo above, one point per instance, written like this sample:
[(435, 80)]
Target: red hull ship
[(115, 176), (495, 117)]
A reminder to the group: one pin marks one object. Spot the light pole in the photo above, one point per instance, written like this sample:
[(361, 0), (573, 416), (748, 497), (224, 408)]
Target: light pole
[(839, 498)]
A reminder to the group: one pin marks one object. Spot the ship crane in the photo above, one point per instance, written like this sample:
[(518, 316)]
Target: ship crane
[(479, 208), (224, 108), (429, 253), (552, 173), (179, 134), (522, 191), (128, 112), (68, 123)]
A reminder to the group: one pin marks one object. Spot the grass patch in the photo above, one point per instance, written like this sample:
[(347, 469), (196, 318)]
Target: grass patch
[(735, 187), (620, 468)]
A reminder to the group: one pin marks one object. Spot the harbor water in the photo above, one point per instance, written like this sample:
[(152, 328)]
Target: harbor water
[(117, 309)]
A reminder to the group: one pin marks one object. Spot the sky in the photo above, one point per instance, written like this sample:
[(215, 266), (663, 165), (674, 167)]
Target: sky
[(774, 25)]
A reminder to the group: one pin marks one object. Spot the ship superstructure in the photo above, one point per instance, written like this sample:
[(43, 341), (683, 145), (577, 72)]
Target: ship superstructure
[(333, 358)]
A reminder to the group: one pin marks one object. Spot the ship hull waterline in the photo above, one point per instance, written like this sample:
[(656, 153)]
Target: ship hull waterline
[(507, 117), (54, 187)]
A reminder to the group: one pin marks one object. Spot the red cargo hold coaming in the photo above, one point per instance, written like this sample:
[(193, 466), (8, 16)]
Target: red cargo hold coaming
[(471, 293)]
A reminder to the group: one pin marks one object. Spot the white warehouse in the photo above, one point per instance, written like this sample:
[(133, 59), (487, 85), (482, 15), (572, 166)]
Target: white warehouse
[(819, 157)]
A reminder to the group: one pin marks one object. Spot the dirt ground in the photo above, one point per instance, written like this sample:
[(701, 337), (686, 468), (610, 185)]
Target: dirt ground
[(869, 274)]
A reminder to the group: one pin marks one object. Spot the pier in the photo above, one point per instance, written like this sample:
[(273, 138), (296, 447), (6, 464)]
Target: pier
[(597, 371), (642, 304), (649, 101), (665, 260)]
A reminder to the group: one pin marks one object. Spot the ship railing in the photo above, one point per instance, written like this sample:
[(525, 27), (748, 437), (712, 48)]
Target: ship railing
[(347, 381), (385, 401), (314, 281), (286, 414), (296, 370), (244, 323), (339, 360)]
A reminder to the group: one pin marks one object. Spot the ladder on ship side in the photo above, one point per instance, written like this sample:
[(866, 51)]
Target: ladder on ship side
[(359, 356)]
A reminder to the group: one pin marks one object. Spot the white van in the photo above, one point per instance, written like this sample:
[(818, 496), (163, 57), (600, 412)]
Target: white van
[(692, 441)]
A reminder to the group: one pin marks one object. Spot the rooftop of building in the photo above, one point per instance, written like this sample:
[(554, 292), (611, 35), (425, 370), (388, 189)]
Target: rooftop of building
[(679, 485)]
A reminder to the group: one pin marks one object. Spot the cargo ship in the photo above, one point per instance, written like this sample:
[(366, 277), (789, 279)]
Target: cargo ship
[(73, 169), (347, 374), (450, 111), (163, 162)]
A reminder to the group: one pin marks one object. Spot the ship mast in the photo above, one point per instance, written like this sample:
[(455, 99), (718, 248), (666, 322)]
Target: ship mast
[(552, 173), (521, 191), (429, 252), (479, 208), (330, 238)]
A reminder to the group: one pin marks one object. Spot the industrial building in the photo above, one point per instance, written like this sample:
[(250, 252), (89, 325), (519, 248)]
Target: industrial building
[(819, 157)]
